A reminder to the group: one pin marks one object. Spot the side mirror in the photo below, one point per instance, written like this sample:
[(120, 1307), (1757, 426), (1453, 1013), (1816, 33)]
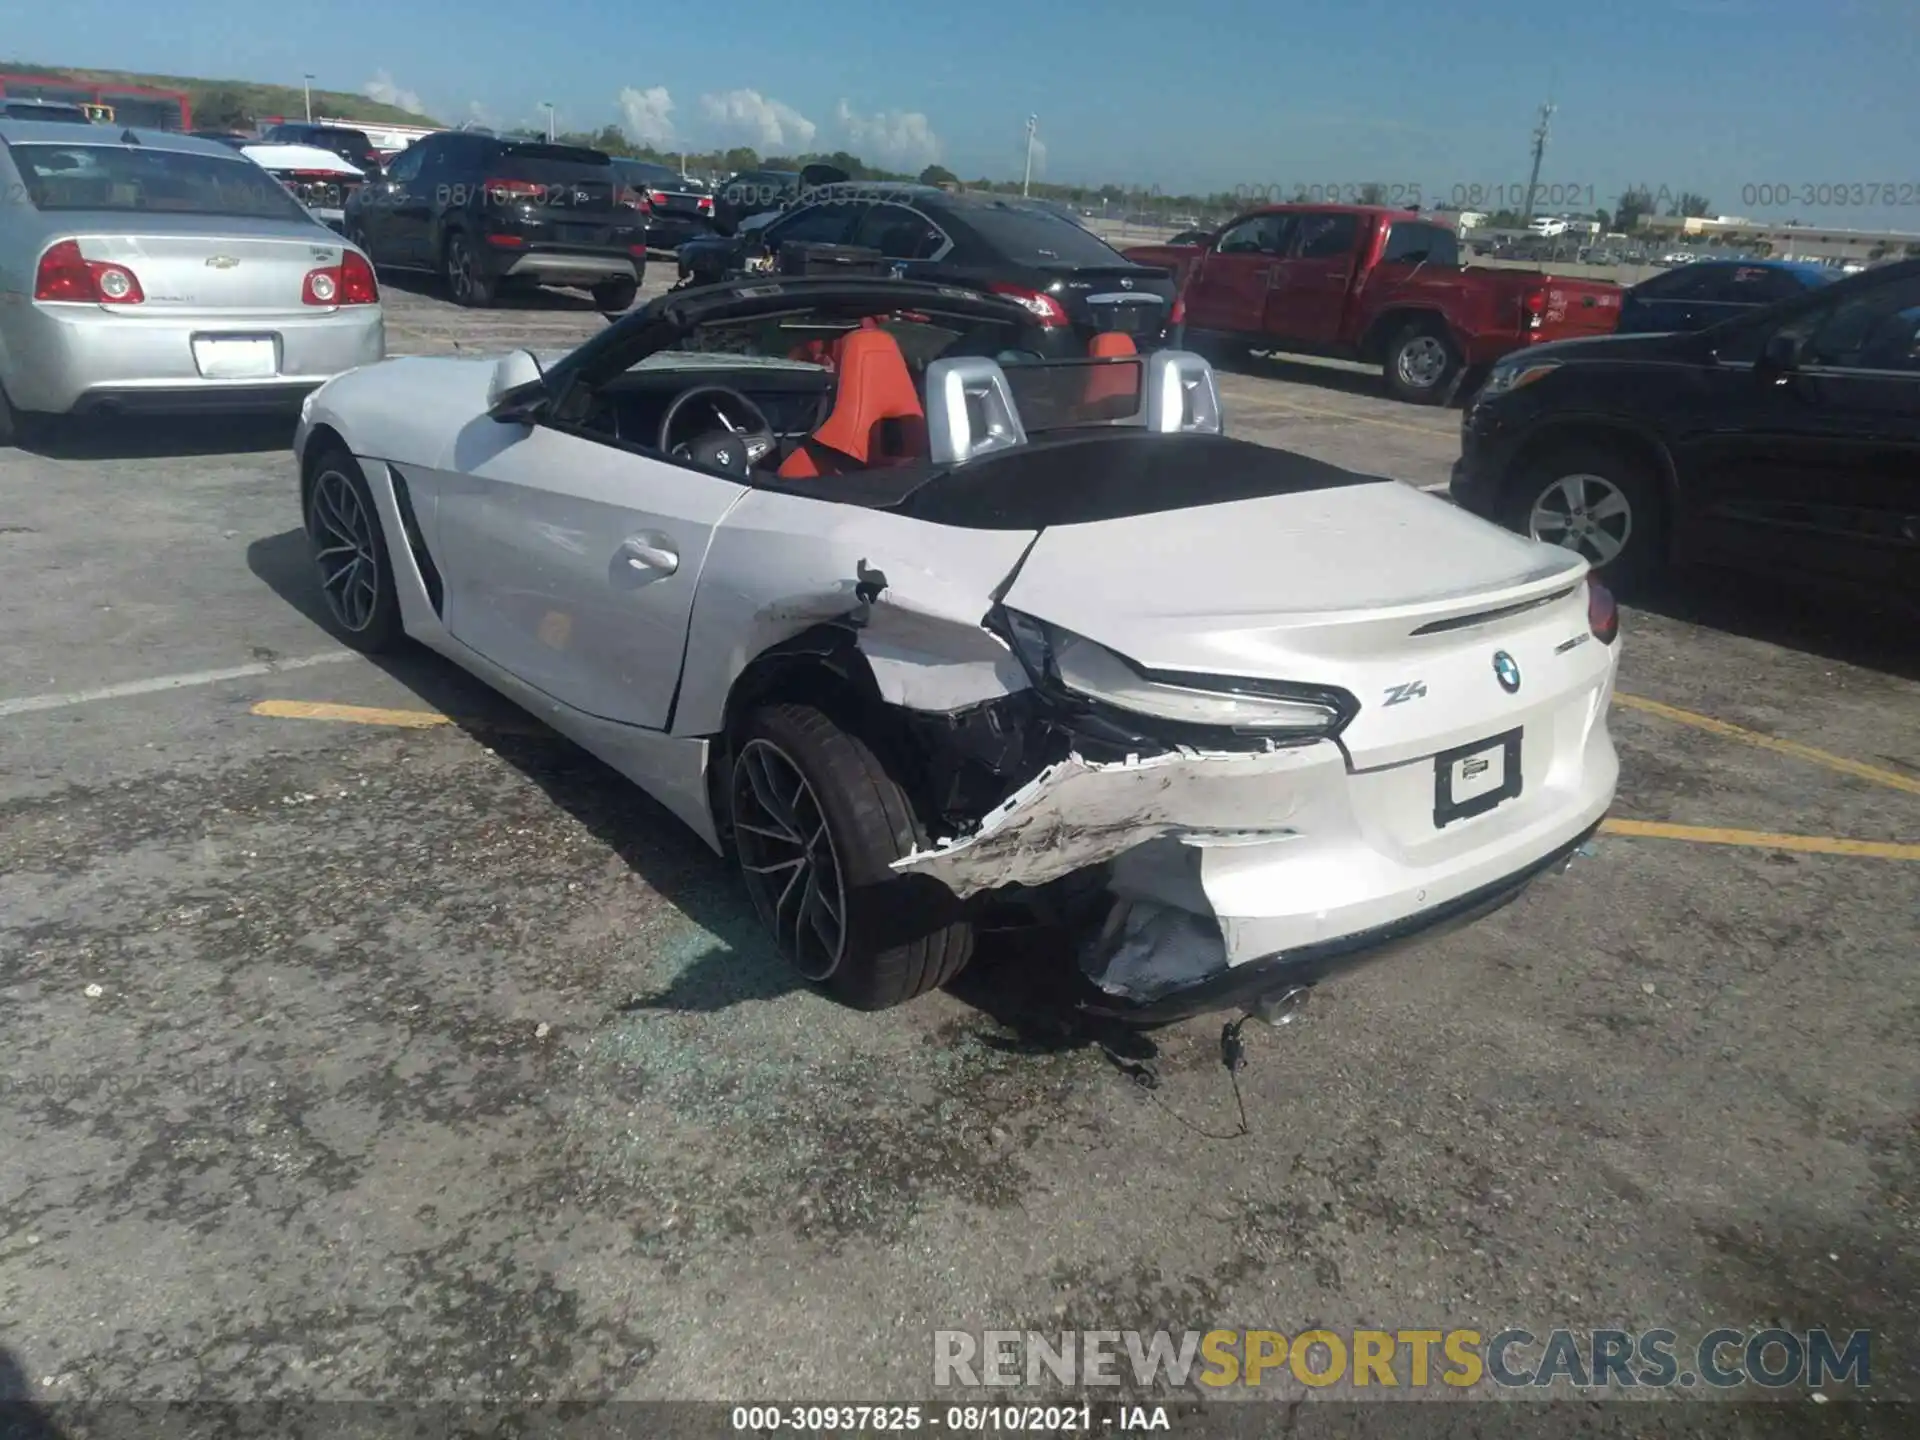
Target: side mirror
[(517, 393)]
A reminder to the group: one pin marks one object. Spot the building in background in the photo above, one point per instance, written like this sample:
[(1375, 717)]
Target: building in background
[(141, 105)]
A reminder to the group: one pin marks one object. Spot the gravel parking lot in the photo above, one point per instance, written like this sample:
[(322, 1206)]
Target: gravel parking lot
[(360, 1039)]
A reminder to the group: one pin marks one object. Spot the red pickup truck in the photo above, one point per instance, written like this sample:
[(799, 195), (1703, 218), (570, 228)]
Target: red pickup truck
[(1359, 282)]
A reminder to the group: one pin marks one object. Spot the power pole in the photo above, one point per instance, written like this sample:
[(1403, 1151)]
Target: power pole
[(306, 91), (1026, 183), (1539, 150)]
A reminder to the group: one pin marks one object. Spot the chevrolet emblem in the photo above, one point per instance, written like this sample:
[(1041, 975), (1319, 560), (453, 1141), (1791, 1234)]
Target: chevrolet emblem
[(221, 262)]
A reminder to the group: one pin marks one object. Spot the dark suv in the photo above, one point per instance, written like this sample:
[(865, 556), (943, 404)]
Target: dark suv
[(482, 213), (352, 146)]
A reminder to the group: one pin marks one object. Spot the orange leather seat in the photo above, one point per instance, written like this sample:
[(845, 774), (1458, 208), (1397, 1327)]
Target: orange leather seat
[(1111, 383), (877, 418)]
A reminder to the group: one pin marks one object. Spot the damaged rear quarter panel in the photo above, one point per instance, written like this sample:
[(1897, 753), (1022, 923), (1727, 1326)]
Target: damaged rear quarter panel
[(781, 564)]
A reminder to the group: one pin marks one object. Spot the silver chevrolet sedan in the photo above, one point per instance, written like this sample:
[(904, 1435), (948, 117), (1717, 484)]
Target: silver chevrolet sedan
[(145, 272)]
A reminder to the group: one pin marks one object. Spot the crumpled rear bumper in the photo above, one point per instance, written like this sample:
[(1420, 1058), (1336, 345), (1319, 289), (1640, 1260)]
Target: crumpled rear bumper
[(1241, 986), (1230, 870)]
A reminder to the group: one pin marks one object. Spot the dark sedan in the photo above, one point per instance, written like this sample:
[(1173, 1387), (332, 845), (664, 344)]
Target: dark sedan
[(1706, 292), (1785, 441), (1071, 280), (677, 209)]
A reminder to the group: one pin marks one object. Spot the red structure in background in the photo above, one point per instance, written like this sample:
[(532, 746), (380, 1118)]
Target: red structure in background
[(141, 105)]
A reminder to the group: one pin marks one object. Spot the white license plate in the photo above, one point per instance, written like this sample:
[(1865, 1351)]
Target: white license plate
[(236, 357)]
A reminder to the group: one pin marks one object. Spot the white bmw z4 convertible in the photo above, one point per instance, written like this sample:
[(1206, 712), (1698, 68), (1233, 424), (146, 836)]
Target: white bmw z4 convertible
[(928, 631)]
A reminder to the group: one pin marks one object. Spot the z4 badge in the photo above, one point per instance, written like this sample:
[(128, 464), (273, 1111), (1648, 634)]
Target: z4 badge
[(1413, 690)]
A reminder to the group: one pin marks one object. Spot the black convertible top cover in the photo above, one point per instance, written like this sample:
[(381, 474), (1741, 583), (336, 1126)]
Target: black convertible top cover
[(1078, 479)]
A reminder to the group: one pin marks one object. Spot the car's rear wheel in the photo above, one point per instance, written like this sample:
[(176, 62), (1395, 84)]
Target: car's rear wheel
[(614, 297), (1595, 501), (817, 823), (9, 425), (467, 283), (350, 555), (1421, 363)]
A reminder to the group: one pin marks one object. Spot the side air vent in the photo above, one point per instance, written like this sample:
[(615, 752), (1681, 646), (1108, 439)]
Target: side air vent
[(416, 543), (1487, 617)]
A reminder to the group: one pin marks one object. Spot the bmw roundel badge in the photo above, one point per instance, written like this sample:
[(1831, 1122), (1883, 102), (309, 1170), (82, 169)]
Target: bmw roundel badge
[(1506, 671)]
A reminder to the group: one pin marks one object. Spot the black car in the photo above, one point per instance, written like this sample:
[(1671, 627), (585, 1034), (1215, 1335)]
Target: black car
[(1706, 292), (1073, 281), (352, 146), (677, 209), (1785, 440), (232, 139), (483, 213), (762, 192)]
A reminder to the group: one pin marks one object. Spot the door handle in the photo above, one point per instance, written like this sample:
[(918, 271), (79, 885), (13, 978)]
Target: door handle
[(642, 556)]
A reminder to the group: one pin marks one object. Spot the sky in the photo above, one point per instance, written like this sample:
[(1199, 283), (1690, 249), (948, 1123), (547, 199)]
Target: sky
[(1762, 106)]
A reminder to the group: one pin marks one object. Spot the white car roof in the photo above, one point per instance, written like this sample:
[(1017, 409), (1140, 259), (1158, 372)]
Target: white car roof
[(298, 157)]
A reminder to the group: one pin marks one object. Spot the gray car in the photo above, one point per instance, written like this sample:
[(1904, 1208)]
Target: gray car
[(142, 271)]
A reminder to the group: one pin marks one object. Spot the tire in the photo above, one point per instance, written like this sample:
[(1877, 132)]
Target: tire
[(9, 424), (467, 283), (1422, 363), (615, 297), (1611, 499), (361, 608), (898, 936)]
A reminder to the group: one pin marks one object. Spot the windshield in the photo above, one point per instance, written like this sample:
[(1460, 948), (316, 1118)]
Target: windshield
[(132, 178), (26, 110), (1032, 236)]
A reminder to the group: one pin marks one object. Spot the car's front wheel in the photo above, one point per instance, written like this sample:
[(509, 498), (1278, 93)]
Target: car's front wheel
[(350, 555), (1596, 501), (817, 823), (467, 283)]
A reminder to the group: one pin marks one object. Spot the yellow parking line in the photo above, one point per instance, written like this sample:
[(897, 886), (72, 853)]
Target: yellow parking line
[(1855, 768), (1761, 840), (352, 714)]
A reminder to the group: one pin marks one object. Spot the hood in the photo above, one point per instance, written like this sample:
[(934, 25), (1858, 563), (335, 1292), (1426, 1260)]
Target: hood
[(299, 157)]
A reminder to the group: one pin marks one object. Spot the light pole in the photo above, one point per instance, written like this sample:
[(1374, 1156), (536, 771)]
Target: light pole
[(547, 105), (1026, 183), (306, 91)]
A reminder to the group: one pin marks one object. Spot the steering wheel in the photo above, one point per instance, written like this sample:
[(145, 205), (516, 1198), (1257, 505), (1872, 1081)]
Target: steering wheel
[(745, 440)]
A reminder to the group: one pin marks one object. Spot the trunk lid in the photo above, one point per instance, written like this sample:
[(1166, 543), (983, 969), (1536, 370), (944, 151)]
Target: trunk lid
[(1130, 298), (1368, 587), (232, 272), (571, 190)]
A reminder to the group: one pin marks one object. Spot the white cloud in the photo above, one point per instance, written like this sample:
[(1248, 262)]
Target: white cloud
[(760, 120), (900, 140), (382, 88), (648, 114), (478, 114)]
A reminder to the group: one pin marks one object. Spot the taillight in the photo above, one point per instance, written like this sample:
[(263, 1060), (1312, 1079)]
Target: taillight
[(357, 283), (1603, 616), (1049, 310), (1533, 305), (66, 274), (658, 197), (504, 192), (639, 250), (506, 242), (1178, 315), (704, 204), (350, 282)]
